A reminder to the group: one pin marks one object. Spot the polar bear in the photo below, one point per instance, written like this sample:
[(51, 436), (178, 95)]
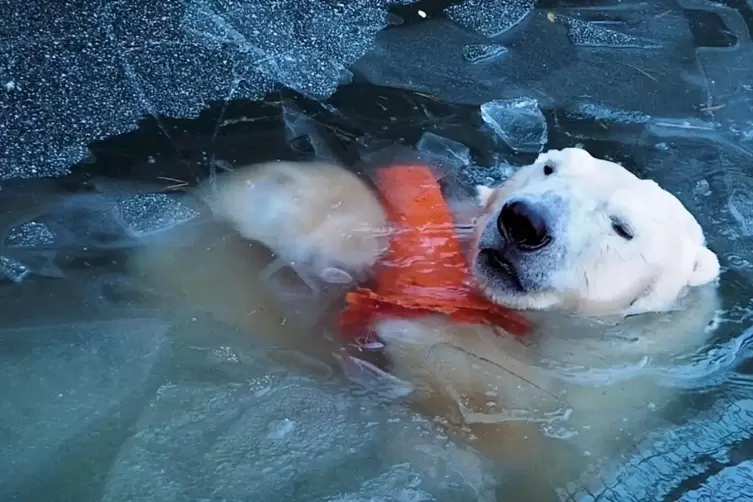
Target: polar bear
[(618, 280), (612, 270)]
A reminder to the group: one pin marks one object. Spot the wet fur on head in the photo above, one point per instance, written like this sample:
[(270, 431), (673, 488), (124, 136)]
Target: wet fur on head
[(589, 267)]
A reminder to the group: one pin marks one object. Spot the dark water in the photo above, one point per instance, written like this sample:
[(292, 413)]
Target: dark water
[(108, 398)]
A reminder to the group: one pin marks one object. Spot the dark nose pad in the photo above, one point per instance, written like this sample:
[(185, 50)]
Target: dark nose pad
[(524, 226)]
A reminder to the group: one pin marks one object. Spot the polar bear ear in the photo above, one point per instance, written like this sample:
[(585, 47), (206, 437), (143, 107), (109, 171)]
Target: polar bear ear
[(706, 268)]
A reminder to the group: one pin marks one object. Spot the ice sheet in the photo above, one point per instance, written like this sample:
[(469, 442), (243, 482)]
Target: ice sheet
[(674, 455), (70, 75), (727, 485), (729, 97), (30, 234), (590, 34), (150, 213), (270, 434), (65, 388), (13, 269), (710, 177), (584, 119), (542, 61)]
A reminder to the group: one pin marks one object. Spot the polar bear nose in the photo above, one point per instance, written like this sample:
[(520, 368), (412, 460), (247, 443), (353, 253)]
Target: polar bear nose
[(523, 225)]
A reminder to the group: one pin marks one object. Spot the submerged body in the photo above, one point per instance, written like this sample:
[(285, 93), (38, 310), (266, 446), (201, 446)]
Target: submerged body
[(317, 217), (578, 243)]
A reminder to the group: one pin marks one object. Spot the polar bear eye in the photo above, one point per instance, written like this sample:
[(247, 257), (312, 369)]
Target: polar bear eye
[(548, 169), (621, 229)]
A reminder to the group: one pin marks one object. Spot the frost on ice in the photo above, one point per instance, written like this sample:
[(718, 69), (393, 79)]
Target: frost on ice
[(169, 58), (490, 17), (592, 35), (481, 53)]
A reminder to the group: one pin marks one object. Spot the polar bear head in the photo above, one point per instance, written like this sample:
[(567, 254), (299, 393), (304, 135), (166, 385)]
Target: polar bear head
[(578, 234)]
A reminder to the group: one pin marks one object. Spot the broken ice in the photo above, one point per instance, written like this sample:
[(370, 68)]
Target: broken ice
[(307, 48), (299, 127), (492, 175), (445, 154), (519, 122), (479, 53), (40, 217), (491, 18)]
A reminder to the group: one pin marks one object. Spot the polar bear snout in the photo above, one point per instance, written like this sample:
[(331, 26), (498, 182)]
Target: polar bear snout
[(521, 245), (517, 247), (523, 224)]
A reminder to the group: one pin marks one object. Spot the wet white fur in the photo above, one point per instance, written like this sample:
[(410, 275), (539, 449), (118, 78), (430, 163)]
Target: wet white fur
[(317, 217)]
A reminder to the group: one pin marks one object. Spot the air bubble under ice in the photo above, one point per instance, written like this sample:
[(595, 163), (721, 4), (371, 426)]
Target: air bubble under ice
[(519, 123)]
